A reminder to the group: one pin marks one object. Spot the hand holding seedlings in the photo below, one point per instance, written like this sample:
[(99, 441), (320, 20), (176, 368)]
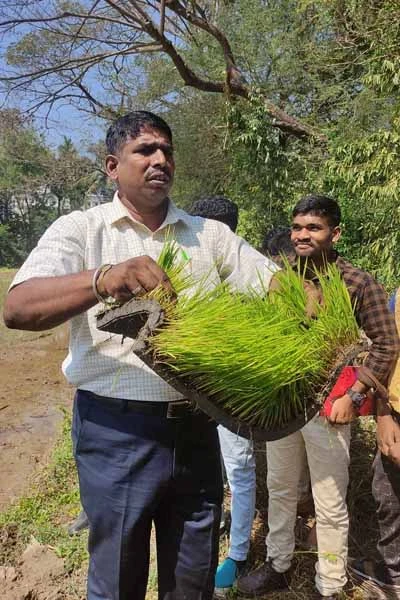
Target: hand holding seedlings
[(133, 277)]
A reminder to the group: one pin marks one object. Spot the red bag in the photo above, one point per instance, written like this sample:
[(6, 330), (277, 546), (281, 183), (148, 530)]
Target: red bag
[(347, 377)]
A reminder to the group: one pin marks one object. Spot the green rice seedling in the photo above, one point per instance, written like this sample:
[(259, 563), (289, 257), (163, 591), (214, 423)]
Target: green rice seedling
[(261, 358), (173, 260)]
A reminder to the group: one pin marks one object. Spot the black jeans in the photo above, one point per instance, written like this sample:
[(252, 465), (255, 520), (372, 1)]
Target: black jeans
[(386, 492), (136, 469)]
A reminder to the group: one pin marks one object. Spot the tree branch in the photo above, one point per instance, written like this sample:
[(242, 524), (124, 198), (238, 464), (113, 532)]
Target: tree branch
[(143, 17)]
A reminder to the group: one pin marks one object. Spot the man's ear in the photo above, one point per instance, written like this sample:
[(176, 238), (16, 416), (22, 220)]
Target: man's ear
[(112, 166), (336, 233)]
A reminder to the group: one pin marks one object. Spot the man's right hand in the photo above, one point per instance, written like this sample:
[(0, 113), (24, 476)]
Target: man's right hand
[(133, 277), (41, 303)]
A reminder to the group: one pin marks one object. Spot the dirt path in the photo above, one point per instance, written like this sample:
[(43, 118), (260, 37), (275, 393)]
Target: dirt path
[(32, 391)]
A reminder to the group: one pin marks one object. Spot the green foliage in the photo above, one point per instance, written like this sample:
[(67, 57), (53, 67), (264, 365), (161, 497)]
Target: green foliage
[(71, 176), (36, 185), (333, 64), (266, 168), (10, 254), (367, 171)]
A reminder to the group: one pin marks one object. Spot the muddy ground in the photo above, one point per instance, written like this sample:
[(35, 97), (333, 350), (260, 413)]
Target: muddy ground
[(32, 392)]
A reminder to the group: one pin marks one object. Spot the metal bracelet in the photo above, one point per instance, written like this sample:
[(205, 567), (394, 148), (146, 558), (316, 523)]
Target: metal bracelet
[(100, 272)]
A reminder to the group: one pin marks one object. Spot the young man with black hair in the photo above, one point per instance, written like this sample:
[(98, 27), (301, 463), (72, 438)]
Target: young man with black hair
[(143, 454), (277, 242), (323, 443)]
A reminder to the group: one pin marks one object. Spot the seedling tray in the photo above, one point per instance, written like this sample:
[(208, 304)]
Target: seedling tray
[(138, 319)]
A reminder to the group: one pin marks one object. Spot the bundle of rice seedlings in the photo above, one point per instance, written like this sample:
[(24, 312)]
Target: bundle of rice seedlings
[(259, 357)]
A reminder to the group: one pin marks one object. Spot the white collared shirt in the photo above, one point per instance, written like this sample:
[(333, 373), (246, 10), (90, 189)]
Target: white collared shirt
[(97, 361)]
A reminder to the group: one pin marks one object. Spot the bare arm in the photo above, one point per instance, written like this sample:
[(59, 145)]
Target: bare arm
[(45, 302)]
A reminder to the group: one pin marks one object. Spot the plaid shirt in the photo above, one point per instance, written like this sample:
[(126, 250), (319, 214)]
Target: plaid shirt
[(373, 316)]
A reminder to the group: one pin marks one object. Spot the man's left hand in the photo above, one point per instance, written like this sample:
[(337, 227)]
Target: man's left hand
[(342, 411)]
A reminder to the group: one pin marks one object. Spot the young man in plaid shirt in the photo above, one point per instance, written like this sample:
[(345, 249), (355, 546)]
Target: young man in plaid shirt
[(323, 443)]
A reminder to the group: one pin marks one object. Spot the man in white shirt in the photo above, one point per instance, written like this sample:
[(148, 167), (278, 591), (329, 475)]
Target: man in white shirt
[(142, 454)]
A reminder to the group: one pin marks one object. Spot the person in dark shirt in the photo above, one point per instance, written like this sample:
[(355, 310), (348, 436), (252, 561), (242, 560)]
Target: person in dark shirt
[(383, 576)]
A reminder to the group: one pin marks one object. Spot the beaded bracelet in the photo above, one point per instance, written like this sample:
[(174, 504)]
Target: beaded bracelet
[(99, 273)]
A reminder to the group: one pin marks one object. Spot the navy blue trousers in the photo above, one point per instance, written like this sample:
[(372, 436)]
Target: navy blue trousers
[(135, 470)]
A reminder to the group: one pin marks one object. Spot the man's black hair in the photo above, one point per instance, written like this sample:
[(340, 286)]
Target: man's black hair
[(129, 127), (322, 206), (277, 241), (218, 208)]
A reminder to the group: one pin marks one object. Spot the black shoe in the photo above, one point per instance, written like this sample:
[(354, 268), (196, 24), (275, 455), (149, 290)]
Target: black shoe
[(81, 522), (262, 580)]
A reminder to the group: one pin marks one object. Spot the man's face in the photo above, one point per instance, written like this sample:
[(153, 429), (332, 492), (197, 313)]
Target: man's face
[(312, 236), (144, 169)]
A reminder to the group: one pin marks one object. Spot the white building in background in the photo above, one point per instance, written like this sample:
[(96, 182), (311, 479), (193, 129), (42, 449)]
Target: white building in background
[(99, 197)]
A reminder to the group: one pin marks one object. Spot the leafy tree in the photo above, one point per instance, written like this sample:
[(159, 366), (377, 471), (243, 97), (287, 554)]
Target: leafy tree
[(303, 95), (36, 185), (71, 175), (63, 47), (10, 254)]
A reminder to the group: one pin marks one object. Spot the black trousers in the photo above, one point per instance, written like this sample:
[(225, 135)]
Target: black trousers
[(386, 492), (136, 469)]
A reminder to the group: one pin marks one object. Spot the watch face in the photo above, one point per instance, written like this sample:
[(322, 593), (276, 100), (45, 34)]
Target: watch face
[(356, 397)]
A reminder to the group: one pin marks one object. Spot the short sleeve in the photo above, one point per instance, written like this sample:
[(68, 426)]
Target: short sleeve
[(242, 266), (60, 250)]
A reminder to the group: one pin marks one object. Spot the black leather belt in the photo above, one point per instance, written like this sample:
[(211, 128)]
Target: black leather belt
[(170, 410)]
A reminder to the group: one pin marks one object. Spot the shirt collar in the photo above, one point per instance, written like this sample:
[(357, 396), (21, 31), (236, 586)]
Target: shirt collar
[(118, 212)]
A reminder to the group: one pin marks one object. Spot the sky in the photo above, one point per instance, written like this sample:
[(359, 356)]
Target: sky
[(67, 121), (64, 120)]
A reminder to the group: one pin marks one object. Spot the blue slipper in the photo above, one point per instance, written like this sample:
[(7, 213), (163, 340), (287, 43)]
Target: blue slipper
[(226, 576)]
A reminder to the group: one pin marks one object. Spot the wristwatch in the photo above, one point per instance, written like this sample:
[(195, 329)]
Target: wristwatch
[(357, 398)]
